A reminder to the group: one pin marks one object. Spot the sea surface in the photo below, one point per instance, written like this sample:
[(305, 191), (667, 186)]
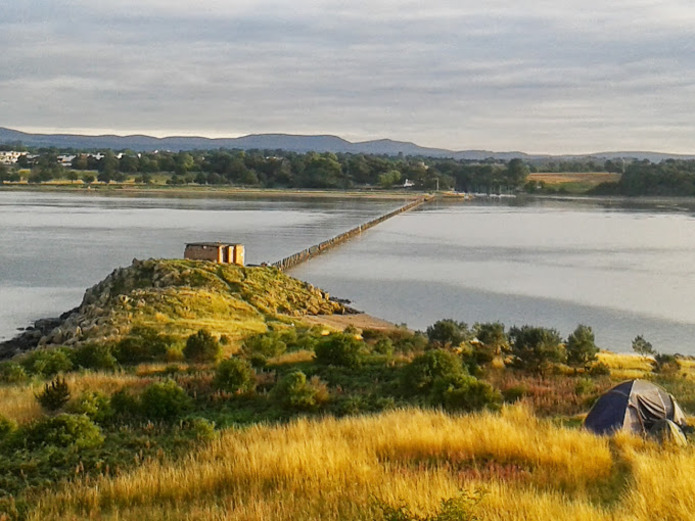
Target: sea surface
[(54, 246), (622, 268)]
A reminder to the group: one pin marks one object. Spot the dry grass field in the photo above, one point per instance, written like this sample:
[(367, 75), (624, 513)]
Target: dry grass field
[(523, 468), (595, 178)]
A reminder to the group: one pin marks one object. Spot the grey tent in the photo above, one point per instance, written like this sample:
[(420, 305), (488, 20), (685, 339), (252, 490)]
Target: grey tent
[(635, 406)]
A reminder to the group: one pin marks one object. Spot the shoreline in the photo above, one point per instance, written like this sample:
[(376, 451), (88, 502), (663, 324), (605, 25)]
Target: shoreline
[(209, 191)]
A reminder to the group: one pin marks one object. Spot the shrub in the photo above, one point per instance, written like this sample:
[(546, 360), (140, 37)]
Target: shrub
[(536, 349), (12, 373), (420, 374), (341, 349), (47, 362), (202, 347), (581, 347), (64, 430), (95, 405), (448, 332), (235, 375), (666, 363), (514, 393), (465, 393), (124, 403), (584, 386), (268, 344), (201, 429), (600, 369), (164, 400), (460, 508), (55, 394), (143, 344), (7, 427), (94, 356), (294, 392), (384, 346)]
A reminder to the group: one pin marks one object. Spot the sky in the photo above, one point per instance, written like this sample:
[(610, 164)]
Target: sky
[(538, 76)]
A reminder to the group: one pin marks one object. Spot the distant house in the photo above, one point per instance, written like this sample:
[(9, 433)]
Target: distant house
[(219, 252), (9, 157)]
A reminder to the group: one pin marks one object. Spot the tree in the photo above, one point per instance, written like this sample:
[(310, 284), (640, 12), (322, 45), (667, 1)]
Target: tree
[(448, 332), (642, 347), (390, 178), (54, 395), (581, 347), (517, 172), (536, 349), (491, 335)]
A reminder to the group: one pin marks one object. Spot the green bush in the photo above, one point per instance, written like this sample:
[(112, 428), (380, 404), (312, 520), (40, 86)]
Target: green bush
[(143, 344), (514, 393), (460, 508), (666, 363), (536, 349), (202, 347), (7, 427), (94, 356), (600, 369), (47, 362), (55, 394), (93, 404), (448, 332), (235, 375), (64, 430), (293, 391), (200, 429), (465, 393), (12, 373), (124, 403), (340, 349), (383, 346), (164, 401), (584, 386), (268, 345), (419, 376)]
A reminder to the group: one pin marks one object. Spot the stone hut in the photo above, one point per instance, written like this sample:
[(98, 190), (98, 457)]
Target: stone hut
[(219, 252)]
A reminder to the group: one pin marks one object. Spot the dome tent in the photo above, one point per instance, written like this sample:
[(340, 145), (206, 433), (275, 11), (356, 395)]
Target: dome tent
[(634, 406)]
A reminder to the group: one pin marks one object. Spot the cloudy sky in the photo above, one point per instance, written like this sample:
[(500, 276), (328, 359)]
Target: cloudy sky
[(538, 76)]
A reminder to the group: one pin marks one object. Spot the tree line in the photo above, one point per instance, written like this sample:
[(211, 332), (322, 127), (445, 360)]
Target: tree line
[(275, 169), (672, 177)]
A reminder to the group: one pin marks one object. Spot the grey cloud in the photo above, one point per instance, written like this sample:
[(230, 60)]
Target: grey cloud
[(540, 76)]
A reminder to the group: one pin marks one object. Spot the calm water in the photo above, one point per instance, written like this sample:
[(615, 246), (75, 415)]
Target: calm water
[(54, 246), (622, 270)]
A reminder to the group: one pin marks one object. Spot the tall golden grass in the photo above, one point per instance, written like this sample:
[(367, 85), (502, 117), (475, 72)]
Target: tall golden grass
[(529, 469)]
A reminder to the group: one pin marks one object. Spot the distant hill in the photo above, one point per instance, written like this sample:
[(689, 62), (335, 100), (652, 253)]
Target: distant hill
[(294, 143)]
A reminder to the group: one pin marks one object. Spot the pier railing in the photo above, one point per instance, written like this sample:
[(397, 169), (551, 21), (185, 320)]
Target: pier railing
[(318, 249)]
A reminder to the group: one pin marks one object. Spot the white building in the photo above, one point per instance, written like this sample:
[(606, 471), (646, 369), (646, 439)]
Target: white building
[(9, 157)]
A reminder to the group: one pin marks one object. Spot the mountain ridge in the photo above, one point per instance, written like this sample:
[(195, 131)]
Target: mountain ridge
[(301, 143)]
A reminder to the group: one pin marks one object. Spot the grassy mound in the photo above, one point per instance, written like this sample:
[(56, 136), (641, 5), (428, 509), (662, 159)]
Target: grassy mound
[(179, 297)]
